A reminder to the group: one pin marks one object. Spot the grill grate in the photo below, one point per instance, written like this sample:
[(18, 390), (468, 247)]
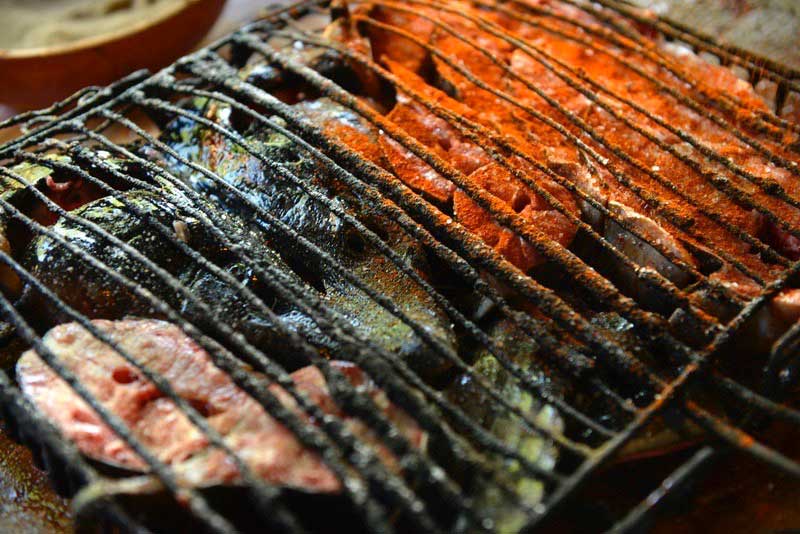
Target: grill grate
[(681, 348)]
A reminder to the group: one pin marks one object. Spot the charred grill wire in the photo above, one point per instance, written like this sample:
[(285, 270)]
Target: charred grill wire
[(579, 352)]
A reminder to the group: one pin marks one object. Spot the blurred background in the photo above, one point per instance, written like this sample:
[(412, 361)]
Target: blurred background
[(51, 48)]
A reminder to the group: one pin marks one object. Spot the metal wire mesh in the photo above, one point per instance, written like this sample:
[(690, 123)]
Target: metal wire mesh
[(681, 357)]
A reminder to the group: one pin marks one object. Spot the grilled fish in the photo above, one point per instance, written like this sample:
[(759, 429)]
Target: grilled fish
[(507, 426), (512, 69), (96, 293), (67, 191), (264, 187), (269, 448)]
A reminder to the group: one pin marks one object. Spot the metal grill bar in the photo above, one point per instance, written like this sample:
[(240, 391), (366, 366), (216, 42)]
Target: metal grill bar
[(701, 412), (272, 220), (271, 404), (318, 415), (197, 504), (265, 495), (602, 289), (62, 454), (395, 214), (767, 185), (169, 235), (641, 513), (476, 132), (377, 297)]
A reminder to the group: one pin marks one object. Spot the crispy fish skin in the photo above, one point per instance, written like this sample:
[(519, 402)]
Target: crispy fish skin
[(274, 193), (97, 294), (68, 192), (94, 292)]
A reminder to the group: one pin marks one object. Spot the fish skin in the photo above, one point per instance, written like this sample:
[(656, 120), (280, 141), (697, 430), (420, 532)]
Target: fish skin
[(275, 194), (507, 426), (97, 295), (65, 190)]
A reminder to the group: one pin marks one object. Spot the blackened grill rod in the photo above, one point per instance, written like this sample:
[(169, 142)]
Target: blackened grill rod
[(85, 98), (669, 389), (569, 360), (261, 360), (743, 441), (380, 203), (380, 299), (487, 258), (278, 375), (49, 113), (168, 234), (75, 468), (537, 53), (247, 385), (265, 495), (638, 516), (418, 409), (733, 55), (668, 212), (599, 286), (763, 404), (784, 354)]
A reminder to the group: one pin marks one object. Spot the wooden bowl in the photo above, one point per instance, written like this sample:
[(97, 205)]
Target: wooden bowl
[(37, 77)]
